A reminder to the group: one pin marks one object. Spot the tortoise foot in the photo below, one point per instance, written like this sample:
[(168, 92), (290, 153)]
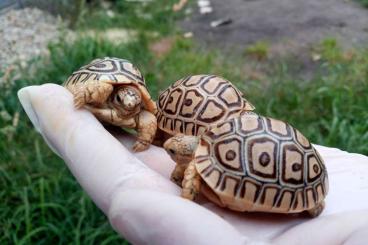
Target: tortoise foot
[(189, 193), (176, 179), (191, 182), (146, 130), (140, 146), (314, 212), (177, 175)]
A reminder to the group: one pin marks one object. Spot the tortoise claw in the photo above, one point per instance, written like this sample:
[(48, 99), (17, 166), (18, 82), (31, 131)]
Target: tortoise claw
[(176, 179), (79, 101), (316, 211), (140, 146), (191, 183)]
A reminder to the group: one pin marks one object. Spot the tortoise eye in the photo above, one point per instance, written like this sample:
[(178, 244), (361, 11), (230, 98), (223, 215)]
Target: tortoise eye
[(118, 98), (172, 151)]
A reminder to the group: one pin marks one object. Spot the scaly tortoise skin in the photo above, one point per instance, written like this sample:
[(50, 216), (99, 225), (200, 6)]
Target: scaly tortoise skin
[(255, 163), (114, 90), (192, 104)]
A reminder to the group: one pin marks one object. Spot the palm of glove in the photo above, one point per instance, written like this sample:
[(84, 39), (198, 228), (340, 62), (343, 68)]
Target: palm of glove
[(134, 191)]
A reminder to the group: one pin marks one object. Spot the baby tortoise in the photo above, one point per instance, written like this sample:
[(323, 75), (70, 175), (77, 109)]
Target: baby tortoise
[(194, 103), (252, 163), (115, 92)]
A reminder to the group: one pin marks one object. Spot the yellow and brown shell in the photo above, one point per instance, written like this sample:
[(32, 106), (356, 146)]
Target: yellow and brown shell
[(115, 71), (254, 163), (193, 103)]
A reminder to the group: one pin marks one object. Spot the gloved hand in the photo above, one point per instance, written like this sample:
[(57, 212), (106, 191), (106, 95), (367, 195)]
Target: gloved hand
[(134, 191)]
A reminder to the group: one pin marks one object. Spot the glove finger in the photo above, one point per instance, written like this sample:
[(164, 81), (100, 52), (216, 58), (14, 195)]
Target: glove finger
[(99, 162)]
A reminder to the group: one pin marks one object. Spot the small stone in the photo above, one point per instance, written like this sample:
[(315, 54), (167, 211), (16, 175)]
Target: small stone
[(5, 115), (188, 11), (203, 3), (188, 35), (221, 22), (110, 13), (316, 57), (205, 10)]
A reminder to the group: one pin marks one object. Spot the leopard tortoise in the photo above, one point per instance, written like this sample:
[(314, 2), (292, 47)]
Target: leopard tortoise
[(252, 163), (114, 91), (194, 103)]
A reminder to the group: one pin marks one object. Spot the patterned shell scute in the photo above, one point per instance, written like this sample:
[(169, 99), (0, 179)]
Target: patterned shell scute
[(255, 163), (194, 102), (114, 70)]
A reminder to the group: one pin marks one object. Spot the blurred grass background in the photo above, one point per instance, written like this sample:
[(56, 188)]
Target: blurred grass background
[(40, 200), (364, 2)]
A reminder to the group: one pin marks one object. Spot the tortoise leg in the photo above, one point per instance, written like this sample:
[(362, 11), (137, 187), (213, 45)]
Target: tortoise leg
[(110, 116), (92, 93), (191, 183), (146, 129), (317, 210), (178, 174)]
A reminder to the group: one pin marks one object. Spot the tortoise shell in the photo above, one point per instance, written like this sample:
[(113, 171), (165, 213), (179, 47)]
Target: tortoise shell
[(114, 71), (193, 103), (254, 163)]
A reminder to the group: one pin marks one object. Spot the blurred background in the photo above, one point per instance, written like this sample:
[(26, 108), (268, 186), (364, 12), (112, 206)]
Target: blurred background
[(305, 62)]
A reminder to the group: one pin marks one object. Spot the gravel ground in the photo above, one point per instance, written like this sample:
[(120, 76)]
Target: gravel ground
[(24, 34)]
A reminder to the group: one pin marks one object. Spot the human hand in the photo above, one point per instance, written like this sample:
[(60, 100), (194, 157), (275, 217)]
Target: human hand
[(134, 191)]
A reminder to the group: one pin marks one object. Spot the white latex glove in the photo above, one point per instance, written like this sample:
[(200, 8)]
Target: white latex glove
[(135, 193)]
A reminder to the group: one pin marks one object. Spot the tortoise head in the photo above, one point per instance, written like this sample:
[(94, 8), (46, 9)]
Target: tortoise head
[(127, 97), (181, 148)]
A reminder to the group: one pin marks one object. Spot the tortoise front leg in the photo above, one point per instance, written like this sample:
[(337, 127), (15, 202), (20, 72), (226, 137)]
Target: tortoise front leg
[(109, 115), (314, 212), (146, 130), (178, 174), (91, 93), (191, 183)]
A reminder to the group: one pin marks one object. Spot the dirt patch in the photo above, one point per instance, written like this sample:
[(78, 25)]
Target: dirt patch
[(162, 47), (289, 25)]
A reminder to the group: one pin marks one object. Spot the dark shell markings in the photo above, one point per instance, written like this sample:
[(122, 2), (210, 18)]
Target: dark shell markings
[(256, 163), (194, 103), (111, 69)]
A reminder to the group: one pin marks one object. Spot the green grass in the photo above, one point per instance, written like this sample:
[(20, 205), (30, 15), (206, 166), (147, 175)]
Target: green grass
[(155, 16), (258, 50), (40, 200), (42, 203), (364, 2)]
